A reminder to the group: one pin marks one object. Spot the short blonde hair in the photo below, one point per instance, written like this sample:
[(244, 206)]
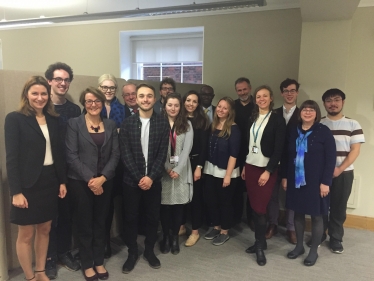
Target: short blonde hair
[(109, 77)]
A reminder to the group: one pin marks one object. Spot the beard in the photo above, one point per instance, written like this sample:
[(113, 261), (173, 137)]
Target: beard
[(244, 98), (145, 109), (333, 113)]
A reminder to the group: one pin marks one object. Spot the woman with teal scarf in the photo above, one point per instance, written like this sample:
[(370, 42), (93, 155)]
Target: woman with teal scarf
[(307, 170)]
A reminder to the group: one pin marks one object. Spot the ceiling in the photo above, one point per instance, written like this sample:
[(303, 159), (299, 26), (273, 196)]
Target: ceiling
[(16, 10)]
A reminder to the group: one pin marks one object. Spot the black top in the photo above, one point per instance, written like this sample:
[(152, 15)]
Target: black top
[(25, 147), (98, 139), (200, 144), (67, 110), (272, 141), (242, 115), (294, 120), (131, 148), (221, 148)]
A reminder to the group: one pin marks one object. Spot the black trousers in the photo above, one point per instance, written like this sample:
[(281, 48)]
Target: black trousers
[(60, 236), (219, 201), (132, 197), (340, 191), (90, 213), (171, 218)]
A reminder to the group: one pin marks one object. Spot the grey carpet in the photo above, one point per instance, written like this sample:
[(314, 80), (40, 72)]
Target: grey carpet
[(229, 261)]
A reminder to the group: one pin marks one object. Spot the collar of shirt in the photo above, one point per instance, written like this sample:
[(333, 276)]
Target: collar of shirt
[(292, 109)]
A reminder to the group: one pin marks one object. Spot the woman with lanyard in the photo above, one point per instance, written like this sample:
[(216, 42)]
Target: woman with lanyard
[(177, 179), (200, 124), (265, 142), (222, 170), (307, 170)]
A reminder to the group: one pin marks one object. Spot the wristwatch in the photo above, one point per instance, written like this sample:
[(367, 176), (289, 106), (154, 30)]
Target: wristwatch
[(199, 166)]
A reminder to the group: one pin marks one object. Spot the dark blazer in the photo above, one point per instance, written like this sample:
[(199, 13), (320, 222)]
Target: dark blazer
[(272, 141), (82, 153), (294, 120), (127, 111), (131, 148), (25, 150)]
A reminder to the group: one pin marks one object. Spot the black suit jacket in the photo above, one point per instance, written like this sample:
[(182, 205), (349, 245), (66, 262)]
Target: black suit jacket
[(25, 147), (272, 141), (294, 120), (82, 154), (127, 111)]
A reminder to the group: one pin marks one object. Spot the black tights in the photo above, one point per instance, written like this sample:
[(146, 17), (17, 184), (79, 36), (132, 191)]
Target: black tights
[(317, 232), (171, 218), (260, 227)]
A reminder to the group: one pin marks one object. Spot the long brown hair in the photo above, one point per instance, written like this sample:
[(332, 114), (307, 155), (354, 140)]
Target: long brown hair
[(180, 124), (226, 129), (199, 119), (25, 107)]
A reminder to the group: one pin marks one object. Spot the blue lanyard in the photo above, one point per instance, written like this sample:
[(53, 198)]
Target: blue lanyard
[(253, 128)]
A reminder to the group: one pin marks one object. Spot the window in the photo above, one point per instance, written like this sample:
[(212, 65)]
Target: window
[(178, 56)]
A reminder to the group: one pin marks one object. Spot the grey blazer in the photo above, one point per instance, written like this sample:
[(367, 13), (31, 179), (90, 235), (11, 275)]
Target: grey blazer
[(82, 153)]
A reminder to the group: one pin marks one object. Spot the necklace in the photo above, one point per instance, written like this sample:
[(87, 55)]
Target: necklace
[(93, 128)]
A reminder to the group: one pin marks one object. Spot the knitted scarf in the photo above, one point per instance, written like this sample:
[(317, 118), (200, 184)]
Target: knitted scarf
[(301, 148)]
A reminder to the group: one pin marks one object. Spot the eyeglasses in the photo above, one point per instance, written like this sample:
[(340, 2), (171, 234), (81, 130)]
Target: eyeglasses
[(59, 80), (167, 88), (333, 100), (90, 102), (106, 88), (292, 91), (308, 110)]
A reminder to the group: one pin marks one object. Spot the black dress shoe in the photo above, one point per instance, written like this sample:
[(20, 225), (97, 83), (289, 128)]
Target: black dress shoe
[(50, 268), (130, 263), (175, 245), (152, 260), (294, 254), (252, 249), (165, 245), (69, 262), (310, 262), (260, 256)]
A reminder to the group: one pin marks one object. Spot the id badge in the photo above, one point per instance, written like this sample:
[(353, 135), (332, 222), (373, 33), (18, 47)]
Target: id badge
[(174, 159), (254, 149)]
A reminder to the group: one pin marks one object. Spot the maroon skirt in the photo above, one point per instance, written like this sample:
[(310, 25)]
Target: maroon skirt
[(259, 196)]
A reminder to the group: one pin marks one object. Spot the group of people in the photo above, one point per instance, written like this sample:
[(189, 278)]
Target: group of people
[(170, 159)]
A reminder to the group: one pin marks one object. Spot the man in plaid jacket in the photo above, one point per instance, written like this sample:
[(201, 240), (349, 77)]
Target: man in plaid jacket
[(144, 143)]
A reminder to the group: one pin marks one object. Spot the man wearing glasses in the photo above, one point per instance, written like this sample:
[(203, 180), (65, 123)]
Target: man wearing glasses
[(289, 89), (348, 136), (59, 76), (129, 97), (167, 86)]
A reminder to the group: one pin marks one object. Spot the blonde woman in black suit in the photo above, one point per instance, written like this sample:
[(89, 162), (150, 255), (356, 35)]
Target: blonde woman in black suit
[(36, 173)]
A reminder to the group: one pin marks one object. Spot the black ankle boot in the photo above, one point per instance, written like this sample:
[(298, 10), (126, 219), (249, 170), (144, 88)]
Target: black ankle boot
[(175, 244), (165, 245), (260, 255)]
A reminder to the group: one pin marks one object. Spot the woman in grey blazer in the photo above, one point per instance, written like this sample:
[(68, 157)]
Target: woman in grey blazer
[(177, 182), (92, 156)]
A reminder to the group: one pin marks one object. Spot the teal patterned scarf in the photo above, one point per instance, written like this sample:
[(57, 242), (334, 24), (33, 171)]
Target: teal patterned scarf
[(301, 148)]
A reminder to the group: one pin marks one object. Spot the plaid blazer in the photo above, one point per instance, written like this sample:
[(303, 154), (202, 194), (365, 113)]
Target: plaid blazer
[(131, 148)]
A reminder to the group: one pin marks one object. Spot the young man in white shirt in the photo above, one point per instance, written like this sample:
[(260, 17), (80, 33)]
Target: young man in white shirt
[(348, 136)]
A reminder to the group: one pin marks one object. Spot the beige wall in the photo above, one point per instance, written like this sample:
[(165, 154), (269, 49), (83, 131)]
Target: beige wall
[(263, 46)]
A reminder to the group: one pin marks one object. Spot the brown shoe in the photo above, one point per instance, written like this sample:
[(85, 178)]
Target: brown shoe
[(291, 236), (271, 231)]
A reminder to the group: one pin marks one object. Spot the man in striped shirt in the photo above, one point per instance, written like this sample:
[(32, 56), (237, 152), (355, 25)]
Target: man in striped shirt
[(348, 136)]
